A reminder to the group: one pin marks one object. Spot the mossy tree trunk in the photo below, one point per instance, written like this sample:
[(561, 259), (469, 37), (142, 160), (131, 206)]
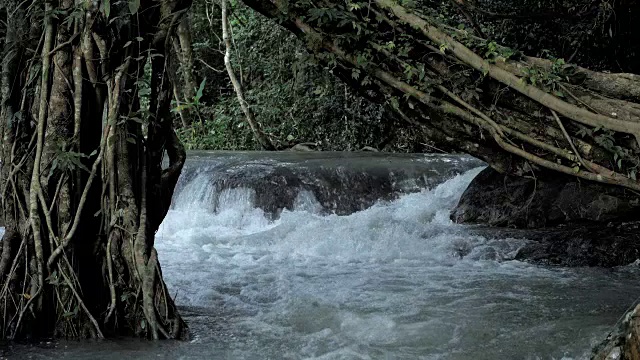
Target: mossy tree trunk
[(523, 115), (82, 184)]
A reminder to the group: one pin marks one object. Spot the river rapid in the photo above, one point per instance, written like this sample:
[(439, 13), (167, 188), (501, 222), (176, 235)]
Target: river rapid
[(396, 280)]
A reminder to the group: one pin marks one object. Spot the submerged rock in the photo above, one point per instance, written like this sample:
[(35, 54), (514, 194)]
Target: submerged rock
[(500, 200)]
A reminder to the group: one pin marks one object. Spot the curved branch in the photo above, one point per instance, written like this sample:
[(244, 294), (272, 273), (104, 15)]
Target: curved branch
[(472, 59)]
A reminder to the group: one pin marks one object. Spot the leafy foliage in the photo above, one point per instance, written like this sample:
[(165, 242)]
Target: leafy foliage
[(296, 99)]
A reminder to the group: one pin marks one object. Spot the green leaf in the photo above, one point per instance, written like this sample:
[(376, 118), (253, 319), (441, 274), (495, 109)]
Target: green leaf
[(106, 8), (54, 166), (200, 90), (53, 278), (394, 103), (143, 324), (134, 5)]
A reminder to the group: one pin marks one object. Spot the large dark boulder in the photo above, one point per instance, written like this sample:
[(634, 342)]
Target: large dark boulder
[(499, 200), (329, 182), (568, 222)]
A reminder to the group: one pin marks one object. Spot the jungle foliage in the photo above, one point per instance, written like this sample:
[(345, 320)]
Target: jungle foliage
[(295, 99)]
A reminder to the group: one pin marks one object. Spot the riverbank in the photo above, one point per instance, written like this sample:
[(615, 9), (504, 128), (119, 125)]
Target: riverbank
[(569, 223)]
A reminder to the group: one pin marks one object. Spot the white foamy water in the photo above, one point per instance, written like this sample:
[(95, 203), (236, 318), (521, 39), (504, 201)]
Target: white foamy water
[(395, 281)]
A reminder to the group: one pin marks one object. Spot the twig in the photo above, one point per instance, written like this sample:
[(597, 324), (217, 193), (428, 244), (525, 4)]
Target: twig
[(112, 288), (81, 303), (34, 219), (460, 6), (210, 67), (573, 147), (66, 43), (83, 199)]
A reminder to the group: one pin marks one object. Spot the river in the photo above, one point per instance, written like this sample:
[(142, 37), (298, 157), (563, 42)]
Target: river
[(394, 280)]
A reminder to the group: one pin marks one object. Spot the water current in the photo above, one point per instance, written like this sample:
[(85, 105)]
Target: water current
[(397, 280)]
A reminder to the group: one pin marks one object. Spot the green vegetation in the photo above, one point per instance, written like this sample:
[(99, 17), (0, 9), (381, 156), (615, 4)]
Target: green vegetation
[(295, 99)]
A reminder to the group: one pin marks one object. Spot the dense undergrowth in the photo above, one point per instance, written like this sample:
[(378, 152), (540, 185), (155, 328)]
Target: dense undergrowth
[(295, 99)]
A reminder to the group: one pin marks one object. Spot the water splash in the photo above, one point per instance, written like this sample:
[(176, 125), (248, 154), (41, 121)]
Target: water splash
[(397, 280)]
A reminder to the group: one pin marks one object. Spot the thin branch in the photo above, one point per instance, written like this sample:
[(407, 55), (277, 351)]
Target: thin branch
[(81, 303), (263, 140), (210, 67), (35, 175), (112, 287), (66, 43), (566, 134), (83, 199)]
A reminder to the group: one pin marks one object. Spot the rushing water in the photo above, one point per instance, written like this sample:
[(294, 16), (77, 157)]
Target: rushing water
[(395, 281)]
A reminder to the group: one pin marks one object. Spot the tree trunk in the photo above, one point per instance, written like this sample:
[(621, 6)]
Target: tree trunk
[(185, 90), (523, 115), (83, 188)]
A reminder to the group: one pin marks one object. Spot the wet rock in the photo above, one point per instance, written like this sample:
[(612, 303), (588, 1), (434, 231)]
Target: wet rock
[(369, 148), (623, 343), (604, 245), (341, 183), (498, 200), (304, 147)]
